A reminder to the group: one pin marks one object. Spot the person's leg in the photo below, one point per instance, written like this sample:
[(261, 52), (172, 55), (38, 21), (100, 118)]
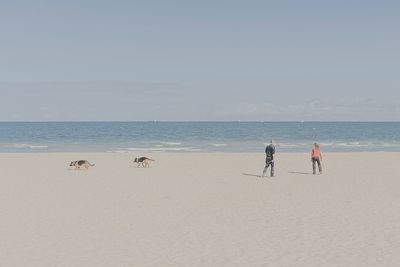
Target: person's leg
[(313, 165), (272, 169), (319, 165), (265, 169)]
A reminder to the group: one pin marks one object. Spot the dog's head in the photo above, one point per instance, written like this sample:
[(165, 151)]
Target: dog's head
[(72, 163), (136, 160)]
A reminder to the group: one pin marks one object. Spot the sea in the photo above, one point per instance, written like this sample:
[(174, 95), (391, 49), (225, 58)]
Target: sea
[(155, 136)]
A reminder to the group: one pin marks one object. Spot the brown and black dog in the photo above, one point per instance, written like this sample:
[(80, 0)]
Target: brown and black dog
[(143, 161), (80, 163)]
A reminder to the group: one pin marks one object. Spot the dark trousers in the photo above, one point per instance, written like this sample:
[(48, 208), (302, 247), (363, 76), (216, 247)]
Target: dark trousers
[(318, 161), (267, 164)]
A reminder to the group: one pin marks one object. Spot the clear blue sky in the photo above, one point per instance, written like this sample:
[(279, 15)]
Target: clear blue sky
[(200, 60)]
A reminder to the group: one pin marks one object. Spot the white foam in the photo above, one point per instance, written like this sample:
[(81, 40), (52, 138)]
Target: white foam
[(389, 145), (29, 146), (160, 149), (326, 144), (194, 150), (289, 145), (171, 143), (352, 144), (219, 145)]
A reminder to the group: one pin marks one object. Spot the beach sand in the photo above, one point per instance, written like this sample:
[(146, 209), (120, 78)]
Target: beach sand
[(199, 209)]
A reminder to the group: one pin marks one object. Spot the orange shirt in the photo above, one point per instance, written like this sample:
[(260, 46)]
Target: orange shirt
[(315, 153)]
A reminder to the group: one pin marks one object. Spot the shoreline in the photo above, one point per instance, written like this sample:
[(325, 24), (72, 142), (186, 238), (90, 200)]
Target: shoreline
[(193, 153)]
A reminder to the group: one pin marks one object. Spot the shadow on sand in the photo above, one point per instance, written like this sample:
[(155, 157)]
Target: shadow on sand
[(305, 173), (254, 175)]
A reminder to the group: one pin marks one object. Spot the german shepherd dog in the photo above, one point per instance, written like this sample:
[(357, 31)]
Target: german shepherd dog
[(143, 161), (80, 163)]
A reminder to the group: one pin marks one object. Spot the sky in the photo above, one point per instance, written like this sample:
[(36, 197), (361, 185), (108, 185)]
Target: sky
[(285, 60)]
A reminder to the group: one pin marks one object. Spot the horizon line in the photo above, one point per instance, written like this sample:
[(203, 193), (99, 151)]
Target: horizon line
[(187, 121)]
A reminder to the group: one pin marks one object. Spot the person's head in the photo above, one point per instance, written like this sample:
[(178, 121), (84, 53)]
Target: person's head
[(272, 141), (316, 145)]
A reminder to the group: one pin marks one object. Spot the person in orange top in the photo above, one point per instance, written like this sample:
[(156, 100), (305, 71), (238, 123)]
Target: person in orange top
[(316, 157)]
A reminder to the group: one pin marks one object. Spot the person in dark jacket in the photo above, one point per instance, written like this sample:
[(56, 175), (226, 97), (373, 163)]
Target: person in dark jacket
[(269, 159)]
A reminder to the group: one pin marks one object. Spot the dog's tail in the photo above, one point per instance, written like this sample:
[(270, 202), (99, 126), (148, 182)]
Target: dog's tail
[(91, 164), (150, 159)]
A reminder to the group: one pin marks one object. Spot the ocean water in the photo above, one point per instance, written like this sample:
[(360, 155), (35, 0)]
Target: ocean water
[(141, 137)]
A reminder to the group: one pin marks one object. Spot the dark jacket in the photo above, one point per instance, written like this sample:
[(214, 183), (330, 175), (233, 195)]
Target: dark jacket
[(270, 151)]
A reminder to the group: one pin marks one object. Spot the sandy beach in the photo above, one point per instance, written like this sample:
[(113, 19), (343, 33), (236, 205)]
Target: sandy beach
[(199, 209)]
